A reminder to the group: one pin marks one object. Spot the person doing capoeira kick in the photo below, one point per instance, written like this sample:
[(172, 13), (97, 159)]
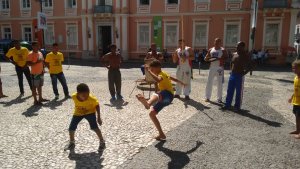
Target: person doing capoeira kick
[(216, 56), (183, 58)]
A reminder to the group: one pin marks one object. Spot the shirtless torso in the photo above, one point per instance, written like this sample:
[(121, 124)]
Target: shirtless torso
[(112, 60)]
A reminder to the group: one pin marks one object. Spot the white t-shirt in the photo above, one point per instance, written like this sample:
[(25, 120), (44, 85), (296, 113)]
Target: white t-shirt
[(216, 54)]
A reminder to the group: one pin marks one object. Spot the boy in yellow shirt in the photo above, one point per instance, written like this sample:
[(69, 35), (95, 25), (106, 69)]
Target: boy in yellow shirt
[(295, 99), (86, 106), (18, 56), (54, 61), (163, 98)]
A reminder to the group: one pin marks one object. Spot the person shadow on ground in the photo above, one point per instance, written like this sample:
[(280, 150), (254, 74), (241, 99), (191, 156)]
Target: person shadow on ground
[(53, 104), (17, 100), (179, 159), (86, 160), (197, 105), (32, 111), (118, 104)]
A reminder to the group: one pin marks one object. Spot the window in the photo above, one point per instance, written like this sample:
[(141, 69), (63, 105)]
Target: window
[(72, 34), (272, 34), (202, 1), (172, 1), (144, 34), (71, 4), (5, 4), (297, 29), (171, 34), (6, 33), (144, 2), (27, 34), (49, 35), (232, 34), (25, 4), (200, 34), (104, 2), (48, 3)]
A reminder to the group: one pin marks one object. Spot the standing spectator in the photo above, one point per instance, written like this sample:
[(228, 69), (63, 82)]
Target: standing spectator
[(112, 62), (18, 56), (54, 61), (1, 92), (166, 55)]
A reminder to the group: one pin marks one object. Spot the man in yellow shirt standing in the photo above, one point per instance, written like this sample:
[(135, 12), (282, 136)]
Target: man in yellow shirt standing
[(54, 61), (18, 56)]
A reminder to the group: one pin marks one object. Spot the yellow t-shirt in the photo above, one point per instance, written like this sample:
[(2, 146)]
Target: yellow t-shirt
[(85, 107), (55, 62), (19, 56), (166, 83)]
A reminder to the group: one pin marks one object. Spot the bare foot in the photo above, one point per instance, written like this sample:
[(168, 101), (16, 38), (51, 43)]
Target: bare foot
[(142, 99), (295, 132), (297, 136), (160, 137), (2, 96)]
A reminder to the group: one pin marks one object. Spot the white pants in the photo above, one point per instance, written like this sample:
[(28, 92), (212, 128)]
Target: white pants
[(183, 74), (219, 73)]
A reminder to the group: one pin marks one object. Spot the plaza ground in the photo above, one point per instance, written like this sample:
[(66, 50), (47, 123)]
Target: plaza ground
[(199, 134)]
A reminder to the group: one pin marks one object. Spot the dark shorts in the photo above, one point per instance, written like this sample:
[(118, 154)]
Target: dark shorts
[(91, 118), (37, 80), (296, 110), (165, 99)]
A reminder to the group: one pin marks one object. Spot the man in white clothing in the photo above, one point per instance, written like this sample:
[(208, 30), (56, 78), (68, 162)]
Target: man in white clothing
[(183, 57), (216, 56)]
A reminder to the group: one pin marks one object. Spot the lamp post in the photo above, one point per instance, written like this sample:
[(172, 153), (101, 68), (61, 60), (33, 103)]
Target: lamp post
[(43, 38)]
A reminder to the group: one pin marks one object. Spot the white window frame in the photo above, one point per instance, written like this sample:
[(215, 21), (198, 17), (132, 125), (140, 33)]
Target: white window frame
[(48, 7), (238, 23), (23, 32), (69, 42), (5, 9), (22, 6), (53, 35), (138, 34), (297, 30), (73, 6), (166, 2), (165, 33), (279, 22), (206, 23), (3, 32), (139, 3)]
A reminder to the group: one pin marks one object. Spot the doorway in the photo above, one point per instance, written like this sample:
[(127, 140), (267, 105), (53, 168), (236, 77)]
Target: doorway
[(104, 39)]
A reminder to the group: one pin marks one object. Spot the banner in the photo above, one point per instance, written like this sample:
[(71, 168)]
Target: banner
[(42, 20), (157, 28)]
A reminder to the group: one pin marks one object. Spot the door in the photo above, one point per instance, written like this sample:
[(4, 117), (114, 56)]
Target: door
[(104, 39)]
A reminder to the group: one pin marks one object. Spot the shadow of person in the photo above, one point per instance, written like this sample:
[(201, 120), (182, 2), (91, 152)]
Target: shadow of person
[(197, 105), (86, 160), (17, 100), (246, 113), (118, 104), (53, 104), (32, 111), (179, 159)]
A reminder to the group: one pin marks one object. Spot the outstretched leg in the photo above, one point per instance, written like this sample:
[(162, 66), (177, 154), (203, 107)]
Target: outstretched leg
[(154, 98)]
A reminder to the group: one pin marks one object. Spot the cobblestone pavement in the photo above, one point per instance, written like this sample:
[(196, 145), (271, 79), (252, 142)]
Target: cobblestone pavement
[(34, 137)]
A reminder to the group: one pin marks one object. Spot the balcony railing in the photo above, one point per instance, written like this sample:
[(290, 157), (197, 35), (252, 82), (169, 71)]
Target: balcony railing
[(275, 3), (103, 9)]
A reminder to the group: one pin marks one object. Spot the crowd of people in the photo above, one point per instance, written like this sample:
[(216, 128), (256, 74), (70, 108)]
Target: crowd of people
[(32, 65)]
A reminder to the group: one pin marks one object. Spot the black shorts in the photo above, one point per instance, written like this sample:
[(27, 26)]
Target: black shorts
[(296, 110)]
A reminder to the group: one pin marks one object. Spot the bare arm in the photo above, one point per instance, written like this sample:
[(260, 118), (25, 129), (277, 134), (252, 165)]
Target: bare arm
[(177, 81), (208, 56), (155, 77), (105, 60)]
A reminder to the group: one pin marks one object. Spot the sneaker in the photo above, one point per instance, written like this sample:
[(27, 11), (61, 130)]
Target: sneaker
[(56, 97), (69, 146), (187, 98), (224, 108), (113, 98), (67, 97), (119, 97), (102, 146), (177, 96)]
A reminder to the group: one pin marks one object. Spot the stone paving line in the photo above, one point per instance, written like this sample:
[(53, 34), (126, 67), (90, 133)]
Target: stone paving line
[(33, 137)]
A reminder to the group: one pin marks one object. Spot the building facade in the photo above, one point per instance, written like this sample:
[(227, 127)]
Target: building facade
[(84, 28)]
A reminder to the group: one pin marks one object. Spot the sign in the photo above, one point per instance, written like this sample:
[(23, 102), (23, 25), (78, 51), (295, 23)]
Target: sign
[(157, 25), (42, 20)]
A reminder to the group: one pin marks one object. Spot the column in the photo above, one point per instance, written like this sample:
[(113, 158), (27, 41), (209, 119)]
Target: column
[(124, 38), (91, 29), (84, 32), (293, 24)]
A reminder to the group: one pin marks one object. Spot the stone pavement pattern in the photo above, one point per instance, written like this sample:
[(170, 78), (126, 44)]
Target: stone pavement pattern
[(34, 137)]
